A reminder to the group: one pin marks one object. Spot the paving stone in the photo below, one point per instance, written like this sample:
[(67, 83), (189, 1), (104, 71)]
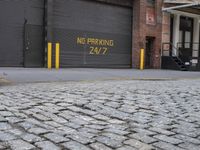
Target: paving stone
[(2, 147), (2, 108), (73, 125), (115, 113), (13, 120), (87, 134), (137, 126), (20, 145), (187, 139), (101, 117), (26, 125), (31, 138), (16, 132), (85, 111), (126, 148), (128, 109), (116, 137), (38, 123), (72, 145), (46, 145), (88, 119), (53, 124), (97, 127), (41, 117), (189, 146), (166, 146), (143, 138), (144, 131), (38, 131), (89, 130), (80, 138), (162, 131), (116, 121), (59, 120), (6, 113), (2, 119), (56, 138), (99, 146), (117, 131), (4, 126), (139, 145), (168, 139), (4, 136), (99, 122), (66, 130), (186, 132), (79, 121), (109, 142)]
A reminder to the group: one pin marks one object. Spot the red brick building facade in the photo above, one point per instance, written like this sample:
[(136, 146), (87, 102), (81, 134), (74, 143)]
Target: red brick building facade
[(142, 30)]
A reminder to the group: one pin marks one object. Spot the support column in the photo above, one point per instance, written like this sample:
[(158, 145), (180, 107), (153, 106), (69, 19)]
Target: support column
[(196, 37), (176, 30), (48, 25)]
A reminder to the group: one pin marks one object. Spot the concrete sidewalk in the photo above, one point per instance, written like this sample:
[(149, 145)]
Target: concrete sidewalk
[(24, 75)]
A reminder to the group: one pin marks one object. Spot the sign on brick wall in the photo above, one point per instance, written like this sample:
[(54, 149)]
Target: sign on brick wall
[(150, 16)]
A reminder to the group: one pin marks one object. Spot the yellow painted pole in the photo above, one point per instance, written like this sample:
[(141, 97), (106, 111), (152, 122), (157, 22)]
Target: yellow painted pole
[(142, 59), (49, 57), (57, 59)]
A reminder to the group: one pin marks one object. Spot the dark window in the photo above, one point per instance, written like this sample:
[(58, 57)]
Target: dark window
[(151, 3)]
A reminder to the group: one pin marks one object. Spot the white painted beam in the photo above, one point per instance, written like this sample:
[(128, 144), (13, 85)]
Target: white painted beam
[(196, 37), (176, 30), (184, 13)]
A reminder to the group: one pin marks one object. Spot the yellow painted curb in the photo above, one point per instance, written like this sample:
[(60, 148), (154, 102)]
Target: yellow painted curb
[(4, 81)]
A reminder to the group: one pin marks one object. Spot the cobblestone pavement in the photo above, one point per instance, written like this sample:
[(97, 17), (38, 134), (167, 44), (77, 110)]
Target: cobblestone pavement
[(121, 115)]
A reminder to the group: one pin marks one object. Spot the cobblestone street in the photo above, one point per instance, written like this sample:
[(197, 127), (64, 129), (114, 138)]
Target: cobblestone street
[(102, 115)]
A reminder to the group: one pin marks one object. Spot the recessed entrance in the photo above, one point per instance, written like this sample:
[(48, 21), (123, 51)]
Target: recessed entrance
[(149, 52), (34, 46)]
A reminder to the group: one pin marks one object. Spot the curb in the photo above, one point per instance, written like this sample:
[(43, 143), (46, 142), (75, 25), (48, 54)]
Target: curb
[(7, 82)]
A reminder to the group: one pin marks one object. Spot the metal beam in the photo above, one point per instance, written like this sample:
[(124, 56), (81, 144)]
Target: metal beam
[(181, 6)]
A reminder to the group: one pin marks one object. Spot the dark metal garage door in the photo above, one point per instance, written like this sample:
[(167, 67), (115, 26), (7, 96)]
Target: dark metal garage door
[(17, 19), (92, 34)]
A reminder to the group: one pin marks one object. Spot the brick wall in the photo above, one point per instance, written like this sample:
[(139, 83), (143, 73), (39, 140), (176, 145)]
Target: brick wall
[(141, 30), (166, 28)]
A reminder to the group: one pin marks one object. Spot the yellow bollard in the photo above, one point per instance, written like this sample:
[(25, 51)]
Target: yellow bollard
[(142, 59), (49, 57), (57, 57)]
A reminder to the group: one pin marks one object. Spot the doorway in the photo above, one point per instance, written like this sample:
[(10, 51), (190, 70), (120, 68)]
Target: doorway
[(185, 38), (34, 46), (149, 52)]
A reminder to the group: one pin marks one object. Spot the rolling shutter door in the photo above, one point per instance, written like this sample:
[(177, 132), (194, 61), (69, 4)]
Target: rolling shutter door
[(92, 34)]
